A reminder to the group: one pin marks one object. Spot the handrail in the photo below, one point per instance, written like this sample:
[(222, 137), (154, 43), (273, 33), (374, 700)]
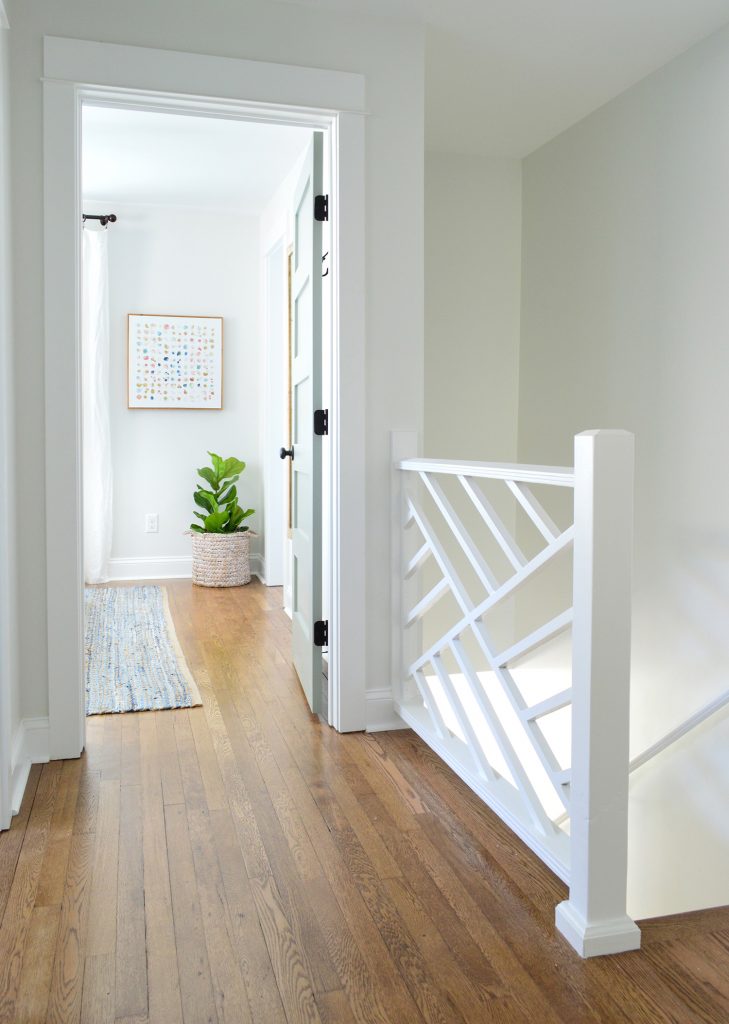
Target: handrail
[(558, 476), (692, 722)]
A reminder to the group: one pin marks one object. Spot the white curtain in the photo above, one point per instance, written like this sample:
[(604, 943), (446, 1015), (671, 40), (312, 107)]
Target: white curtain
[(97, 474)]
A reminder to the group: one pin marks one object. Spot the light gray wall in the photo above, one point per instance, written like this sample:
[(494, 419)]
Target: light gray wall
[(473, 279), (625, 321), (391, 57), (9, 693), (179, 260)]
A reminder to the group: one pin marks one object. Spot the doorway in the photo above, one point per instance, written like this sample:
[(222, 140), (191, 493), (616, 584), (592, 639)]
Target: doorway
[(69, 62), (174, 322)]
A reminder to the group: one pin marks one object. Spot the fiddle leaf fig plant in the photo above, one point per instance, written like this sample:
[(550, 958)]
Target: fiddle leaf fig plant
[(217, 498)]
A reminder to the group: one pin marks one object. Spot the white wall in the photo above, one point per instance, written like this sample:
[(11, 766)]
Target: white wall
[(472, 294), (625, 320), (391, 57), (178, 260), (9, 696)]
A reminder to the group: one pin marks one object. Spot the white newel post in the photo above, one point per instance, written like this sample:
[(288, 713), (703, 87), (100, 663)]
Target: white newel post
[(594, 918), (403, 642)]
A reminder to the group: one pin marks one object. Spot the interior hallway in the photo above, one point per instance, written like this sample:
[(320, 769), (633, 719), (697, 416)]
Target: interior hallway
[(243, 862)]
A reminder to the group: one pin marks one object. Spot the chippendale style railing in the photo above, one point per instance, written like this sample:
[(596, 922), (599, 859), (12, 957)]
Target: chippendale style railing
[(481, 584)]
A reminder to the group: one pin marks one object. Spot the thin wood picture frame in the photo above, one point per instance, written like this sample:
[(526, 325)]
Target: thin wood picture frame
[(174, 362)]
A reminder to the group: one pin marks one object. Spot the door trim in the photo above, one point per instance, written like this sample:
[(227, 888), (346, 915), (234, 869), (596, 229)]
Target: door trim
[(75, 72)]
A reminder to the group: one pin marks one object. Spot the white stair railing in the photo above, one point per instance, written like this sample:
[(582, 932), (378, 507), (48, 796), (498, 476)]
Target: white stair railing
[(458, 687)]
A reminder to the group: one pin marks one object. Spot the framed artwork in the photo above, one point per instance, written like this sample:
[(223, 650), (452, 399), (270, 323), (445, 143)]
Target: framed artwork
[(174, 362)]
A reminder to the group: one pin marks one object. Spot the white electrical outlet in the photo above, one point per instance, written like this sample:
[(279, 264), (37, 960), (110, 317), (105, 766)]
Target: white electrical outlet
[(151, 522)]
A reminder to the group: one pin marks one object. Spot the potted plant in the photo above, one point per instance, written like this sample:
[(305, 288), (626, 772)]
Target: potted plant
[(221, 540)]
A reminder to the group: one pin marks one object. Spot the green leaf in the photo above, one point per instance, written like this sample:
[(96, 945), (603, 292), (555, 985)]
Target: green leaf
[(249, 512), (217, 463), (214, 523), (230, 495), (205, 500), (207, 474), (236, 518), (196, 529), (199, 515), (230, 467)]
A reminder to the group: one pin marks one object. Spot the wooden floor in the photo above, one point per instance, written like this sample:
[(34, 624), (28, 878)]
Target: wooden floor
[(243, 862)]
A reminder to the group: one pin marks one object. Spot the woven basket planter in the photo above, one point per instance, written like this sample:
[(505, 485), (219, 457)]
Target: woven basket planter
[(221, 559)]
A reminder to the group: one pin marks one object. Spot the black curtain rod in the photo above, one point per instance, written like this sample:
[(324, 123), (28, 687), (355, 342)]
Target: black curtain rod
[(103, 218)]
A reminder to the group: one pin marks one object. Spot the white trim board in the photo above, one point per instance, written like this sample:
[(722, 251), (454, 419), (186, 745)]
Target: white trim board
[(163, 567), (77, 72), (381, 714), (168, 567), (30, 746)]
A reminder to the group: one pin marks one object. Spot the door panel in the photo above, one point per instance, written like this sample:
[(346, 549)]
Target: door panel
[(305, 398)]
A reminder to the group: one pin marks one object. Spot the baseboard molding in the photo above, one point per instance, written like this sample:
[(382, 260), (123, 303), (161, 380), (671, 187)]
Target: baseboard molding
[(380, 714), (31, 745), (167, 567), (258, 567)]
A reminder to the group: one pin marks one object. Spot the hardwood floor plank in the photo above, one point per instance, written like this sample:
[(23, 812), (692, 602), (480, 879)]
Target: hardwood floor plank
[(229, 989), (163, 981), (64, 1003), (130, 749), (97, 1002), (101, 938), (169, 762), (255, 964), (87, 805), (51, 883), (35, 979), (21, 899), (130, 986), (196, 987), (12, 840), (212, 781)]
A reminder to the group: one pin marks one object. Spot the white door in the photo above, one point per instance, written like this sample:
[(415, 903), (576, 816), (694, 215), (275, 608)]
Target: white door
[(306, 505)]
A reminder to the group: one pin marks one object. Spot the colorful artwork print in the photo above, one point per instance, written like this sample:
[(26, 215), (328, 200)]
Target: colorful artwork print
[(175, 362)]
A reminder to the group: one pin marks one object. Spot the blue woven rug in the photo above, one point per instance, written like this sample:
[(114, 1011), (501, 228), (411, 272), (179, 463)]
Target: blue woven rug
[(133, 658)]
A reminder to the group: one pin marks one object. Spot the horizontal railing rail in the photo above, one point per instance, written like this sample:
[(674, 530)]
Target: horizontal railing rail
[(674, 735)]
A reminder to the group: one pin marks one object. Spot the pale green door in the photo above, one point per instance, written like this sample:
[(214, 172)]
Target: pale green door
[(306, 389)]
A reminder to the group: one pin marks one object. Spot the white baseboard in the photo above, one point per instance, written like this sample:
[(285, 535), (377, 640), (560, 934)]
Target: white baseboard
[(164, 567), (381, 715), (258, 567), (167, 567), (31, 745)]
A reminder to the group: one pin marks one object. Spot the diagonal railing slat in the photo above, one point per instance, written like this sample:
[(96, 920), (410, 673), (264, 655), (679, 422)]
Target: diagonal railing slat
[(527, 572), (495, 524), (514, 764), (473, 744), (535, 639), (419, 610), (533, 508), (474, 556)]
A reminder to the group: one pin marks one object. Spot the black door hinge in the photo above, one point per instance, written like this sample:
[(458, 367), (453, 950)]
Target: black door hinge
[(321, 422), (321, 207), (321, 633)]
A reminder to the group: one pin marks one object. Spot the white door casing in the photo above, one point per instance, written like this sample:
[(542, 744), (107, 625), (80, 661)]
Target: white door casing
[(306, 365), (78, 71)]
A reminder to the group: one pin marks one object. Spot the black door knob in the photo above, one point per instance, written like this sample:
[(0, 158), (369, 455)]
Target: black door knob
[(286, 453)]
